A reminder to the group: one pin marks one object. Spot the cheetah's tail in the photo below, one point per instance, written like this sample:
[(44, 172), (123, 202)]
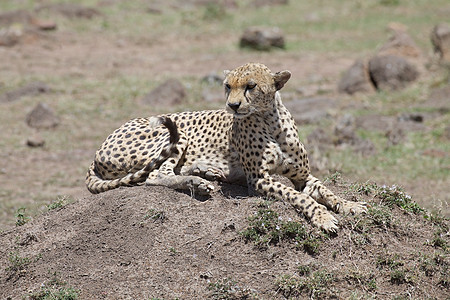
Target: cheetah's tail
[(95, 184)]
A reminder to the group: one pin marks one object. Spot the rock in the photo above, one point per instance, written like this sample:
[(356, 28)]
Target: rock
[(43, 24), (440, 38), (400, 43), (412, 117), (390, 72), (19, 25), (42, 116), (35, 140), (396, 64), (356, 79), (310, 110), (11, 36), (31, 89), (171, 92), (12, 27), (262, 38), (397, 27), (439, 99)]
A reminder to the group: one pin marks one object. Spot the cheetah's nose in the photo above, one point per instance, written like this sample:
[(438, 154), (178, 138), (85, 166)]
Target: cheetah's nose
[(234, 106)]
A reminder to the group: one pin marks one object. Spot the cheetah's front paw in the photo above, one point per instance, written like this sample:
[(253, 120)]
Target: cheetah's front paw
[(325, 221), (200, 185), (210, 173), (351, 207)]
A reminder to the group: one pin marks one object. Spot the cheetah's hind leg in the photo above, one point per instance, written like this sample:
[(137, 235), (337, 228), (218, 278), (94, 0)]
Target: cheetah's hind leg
[(315, 188), (165, 175)]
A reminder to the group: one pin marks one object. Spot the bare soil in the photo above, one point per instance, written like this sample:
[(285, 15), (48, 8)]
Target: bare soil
[(105, 246)]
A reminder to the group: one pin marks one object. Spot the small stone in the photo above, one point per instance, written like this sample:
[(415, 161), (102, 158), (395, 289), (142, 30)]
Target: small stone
[(413, 117), (11, 36), (42, 116), (262, 38), (356, 79), (391, 72), (43, 24), (35, 141), (400, 43), (440, 38)]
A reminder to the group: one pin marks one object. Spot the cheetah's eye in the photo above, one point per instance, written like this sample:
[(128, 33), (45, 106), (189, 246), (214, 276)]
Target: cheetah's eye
[(250, 86), (227, 87)]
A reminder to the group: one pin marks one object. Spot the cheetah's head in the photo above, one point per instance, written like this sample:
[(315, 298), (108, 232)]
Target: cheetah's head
[(251, 88)]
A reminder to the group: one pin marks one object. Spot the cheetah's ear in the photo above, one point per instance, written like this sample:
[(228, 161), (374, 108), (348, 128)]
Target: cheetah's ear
[(281, 78), (226, 72)]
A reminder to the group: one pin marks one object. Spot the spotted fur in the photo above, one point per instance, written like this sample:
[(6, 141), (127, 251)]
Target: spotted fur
[(253, 138), (113, 167)]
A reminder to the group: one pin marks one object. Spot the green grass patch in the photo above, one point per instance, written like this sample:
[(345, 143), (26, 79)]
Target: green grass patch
[(21, 217), (59, 202), (315, 284), (55, 289), (391, 261), (439, 240), (266, 228), (228, 288), (395, 195), (17, 263), (154, 215)]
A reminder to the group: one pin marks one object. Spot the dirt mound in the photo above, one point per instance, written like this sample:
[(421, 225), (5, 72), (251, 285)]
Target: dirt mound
[(142, 242)]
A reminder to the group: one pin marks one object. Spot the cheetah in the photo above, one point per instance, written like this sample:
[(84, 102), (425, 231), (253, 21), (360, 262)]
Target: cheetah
[(246, 143)]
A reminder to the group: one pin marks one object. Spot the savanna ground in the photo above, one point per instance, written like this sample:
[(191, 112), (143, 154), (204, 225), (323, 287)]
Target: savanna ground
[(155, 243)]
